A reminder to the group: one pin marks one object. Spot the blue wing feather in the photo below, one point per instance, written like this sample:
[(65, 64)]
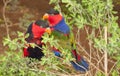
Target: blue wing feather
[(82, 65)]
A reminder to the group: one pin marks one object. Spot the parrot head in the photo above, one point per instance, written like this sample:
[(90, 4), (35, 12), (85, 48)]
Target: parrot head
[(43, 24), (50, 12)]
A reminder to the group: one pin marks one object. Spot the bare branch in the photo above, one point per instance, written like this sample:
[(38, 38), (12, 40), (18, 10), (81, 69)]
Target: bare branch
[(4, 15)]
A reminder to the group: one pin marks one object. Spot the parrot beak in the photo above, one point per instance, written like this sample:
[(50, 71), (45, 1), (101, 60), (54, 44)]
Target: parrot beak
[(45, 16), (48, 30)]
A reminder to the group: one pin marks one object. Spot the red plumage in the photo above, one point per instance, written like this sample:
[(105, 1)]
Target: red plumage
[(78, 57), (37, 31), (25, 52), (54, 19)]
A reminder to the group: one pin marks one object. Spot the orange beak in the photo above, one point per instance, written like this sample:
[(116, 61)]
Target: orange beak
[(45, 17), (48, 30)]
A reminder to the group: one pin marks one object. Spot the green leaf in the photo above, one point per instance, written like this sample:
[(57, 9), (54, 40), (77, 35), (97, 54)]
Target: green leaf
[(100, 74), (115, 73), (20, 34), (65, 1)]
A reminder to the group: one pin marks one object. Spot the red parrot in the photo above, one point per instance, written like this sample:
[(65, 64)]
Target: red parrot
[(35, 31), (57, 22)]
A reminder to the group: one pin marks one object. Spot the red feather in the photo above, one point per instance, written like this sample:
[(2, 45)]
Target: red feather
[(54, 19), (38, 31), (78, 57), (25, 52)]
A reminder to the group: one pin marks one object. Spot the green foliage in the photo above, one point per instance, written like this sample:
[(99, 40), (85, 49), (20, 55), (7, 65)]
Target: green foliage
[(99, 74), (53, 1), (13, 64), (15, 44), (25, 21), (20, 66), (51, 59), (97, 14), (115, 73)]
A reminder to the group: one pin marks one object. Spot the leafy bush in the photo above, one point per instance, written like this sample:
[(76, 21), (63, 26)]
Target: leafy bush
[(98, 20), (23, 66), (13, 64), (25, 21)]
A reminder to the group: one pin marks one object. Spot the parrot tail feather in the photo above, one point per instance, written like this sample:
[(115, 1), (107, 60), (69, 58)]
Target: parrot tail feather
[(78, 67)]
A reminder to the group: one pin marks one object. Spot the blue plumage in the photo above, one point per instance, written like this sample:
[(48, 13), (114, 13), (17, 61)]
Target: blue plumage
[(62, 27), (57, 53), (82, 65)]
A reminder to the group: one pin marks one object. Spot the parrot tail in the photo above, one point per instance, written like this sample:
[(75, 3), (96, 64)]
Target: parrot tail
[(78, 67), (80, 63)]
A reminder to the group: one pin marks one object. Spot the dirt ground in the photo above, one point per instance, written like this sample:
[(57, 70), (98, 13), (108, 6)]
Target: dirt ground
[(35, 7)]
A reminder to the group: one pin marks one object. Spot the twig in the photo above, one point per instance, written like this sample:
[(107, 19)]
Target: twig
[(105, 52), (112, 67), (4, 16), (97, 68)]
